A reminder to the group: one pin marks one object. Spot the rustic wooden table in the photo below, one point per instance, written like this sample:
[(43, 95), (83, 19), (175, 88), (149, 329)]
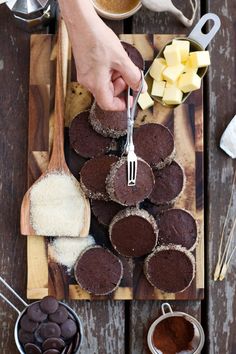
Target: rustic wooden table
[(121, 327)]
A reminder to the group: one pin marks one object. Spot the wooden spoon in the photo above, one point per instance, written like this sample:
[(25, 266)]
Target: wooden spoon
[(57, 162)]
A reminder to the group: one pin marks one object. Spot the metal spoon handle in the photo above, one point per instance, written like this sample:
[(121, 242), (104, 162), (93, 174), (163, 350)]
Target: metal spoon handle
[(14, 293)]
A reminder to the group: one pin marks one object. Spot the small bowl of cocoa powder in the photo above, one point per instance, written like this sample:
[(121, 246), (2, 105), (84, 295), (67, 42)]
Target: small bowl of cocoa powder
[(175, 332), (117, 9)]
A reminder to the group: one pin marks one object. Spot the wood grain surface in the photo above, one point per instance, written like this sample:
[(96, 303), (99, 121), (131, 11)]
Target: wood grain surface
[(112, 327), (186, 124)]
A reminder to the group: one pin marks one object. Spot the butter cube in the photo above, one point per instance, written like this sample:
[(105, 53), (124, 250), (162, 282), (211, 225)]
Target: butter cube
[(157, 68), (172, 73), (145, 101), (189, 68), (158, 88), (189, 82), (172, 55), (174, 84), (172, 95), (184, 47), (200, 59)]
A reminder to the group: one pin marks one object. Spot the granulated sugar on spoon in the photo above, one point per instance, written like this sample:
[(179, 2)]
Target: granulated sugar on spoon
[(55, 205)]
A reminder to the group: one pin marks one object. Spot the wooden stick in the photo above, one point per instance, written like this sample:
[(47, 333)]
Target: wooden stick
[(219, 261), (225, 262)]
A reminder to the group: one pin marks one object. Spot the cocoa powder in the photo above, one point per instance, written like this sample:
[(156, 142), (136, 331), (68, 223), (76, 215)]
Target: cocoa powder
[(173, 335)]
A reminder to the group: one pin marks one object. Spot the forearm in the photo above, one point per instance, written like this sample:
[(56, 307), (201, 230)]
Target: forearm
[(78, 14)]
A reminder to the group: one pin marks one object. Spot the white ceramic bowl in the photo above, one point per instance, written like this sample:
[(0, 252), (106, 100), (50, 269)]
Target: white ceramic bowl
[(115, 16)]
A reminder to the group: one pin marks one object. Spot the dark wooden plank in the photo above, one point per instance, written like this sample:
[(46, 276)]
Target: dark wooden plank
[(104, 326), (143, 313), (221, 304), (14, 64), (146, 21)]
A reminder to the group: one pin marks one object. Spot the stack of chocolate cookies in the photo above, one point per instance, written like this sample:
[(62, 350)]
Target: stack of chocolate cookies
[(133, 230), (49, 327)]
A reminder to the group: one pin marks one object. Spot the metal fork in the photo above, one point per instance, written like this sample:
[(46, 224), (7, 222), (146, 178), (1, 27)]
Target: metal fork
[(132, 161)]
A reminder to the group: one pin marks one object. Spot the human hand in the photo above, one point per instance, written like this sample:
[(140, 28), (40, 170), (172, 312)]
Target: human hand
[(102, 64)]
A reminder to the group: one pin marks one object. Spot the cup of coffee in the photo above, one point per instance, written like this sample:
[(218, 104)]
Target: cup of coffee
[(175, 332), (117, 9)]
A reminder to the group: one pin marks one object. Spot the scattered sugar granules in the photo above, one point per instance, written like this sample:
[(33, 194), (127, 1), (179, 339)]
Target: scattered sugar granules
[(57, 206), (66, 250)]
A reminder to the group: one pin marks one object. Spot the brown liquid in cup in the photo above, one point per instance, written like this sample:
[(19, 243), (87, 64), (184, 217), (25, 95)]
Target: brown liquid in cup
[(117, 6)]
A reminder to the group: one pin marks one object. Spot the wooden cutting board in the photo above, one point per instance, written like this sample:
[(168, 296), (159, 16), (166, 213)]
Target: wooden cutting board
[(186, 122)]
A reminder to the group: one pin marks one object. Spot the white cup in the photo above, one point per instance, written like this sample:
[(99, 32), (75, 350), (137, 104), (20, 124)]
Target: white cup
[(199, 336), (116, 16)]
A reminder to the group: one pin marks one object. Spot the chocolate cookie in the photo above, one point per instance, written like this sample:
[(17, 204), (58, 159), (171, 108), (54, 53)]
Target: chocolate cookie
[(31, 348), (27, 324), (134, 55), (60, 315), (117, 184), (98, 271), (133, 232), (68, 328), (105, 211), (177, 226), (169, 183), (25, 337), (35, 313), (154, 143), (53, 343), (170, 269), (52, 351), (108, 123), (49, 304), (84, 140), (93, 176), (49, 330)]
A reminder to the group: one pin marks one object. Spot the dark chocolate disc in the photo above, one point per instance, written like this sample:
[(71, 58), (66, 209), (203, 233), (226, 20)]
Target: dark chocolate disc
[(177, 226), (50, 330), (38, 337), (108, 123), (133, 232), (84, 140), (68, 329), (98, 271), (27, 324), (53, 343), (105, 210), (117, 183), (35, 313), (134, 55), (93, 176), (154, 143), (52, 351), (60, 315), (25, 337), (31, 348), (49, 304), (170, 269), (169, 184)]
